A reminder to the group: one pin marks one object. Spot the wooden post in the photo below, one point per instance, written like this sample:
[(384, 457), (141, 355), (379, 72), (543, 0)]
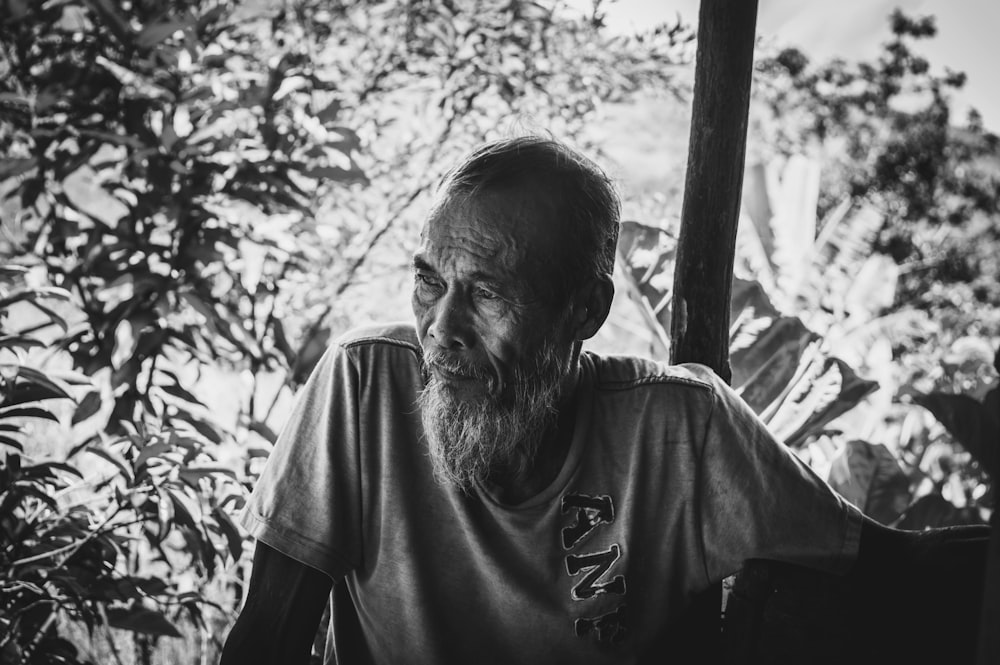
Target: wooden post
[(703, 273)]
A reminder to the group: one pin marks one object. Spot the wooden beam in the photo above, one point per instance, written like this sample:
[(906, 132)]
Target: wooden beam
[(703, 273)]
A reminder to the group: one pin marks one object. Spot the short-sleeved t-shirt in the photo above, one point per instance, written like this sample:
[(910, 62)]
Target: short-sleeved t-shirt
[(670, 483)]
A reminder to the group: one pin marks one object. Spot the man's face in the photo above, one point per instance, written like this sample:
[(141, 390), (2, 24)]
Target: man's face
[(496, 350)]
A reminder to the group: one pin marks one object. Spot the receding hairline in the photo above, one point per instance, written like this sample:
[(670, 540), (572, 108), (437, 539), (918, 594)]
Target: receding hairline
[(514, 160), (555, 181)]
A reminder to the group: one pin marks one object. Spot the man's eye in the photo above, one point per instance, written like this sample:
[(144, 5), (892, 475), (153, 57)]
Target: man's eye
[(486, 294), (427, 281)]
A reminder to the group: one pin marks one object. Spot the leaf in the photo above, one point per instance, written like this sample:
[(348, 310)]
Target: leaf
[(874, 481), (762, 390), (34, 491), (221, 127), (337, 173), (115, 459), (751, 347), (135, 85), (152, 35), (164, 516), (254, 257), (149, 451), (281, 342), (20, 342), (851, 390), (232, 534), (872, 288), (264, 431), (844, 243), (34, 294), (13, 443), (125, 343), (329, 113), (235, 500), (200, 306), (142, 620), (113, 138), (794, 222), (85, 192), (348, 140), (13, 166), (193, 474), (29, 412), (184, 516), (757, 205), (23, 393), (199, 424), (175, 390), (152, 586), (975, 425), (648, 255), (53, 316), (822, 389), (12, 271), (38, 378), (89, 405), (750, 295), (288, 85), (58, 466), (934, 511)]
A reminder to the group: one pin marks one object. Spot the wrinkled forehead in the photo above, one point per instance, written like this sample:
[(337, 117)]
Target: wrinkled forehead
[(516, 224)]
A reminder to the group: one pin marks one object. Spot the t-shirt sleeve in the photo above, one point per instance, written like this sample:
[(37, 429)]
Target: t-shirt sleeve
[(306, 503), (758, 500)]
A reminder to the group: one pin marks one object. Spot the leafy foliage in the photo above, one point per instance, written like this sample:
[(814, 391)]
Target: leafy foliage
[(885, 133), (164, 161), (869, 476), (780, 367), (70, 532), (903, 225), (159, 164)]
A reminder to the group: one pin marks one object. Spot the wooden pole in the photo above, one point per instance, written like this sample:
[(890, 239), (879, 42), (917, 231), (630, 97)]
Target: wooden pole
[(703, 273)]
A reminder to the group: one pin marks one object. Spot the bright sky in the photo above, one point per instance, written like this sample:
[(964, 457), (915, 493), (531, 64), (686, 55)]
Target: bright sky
[(967, 38)]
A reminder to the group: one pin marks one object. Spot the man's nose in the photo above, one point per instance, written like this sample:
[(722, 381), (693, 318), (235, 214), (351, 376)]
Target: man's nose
[(452, 325)]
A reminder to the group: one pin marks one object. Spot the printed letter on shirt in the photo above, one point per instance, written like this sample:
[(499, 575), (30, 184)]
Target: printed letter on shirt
[(607, 629), (590, 512), (597, 565)]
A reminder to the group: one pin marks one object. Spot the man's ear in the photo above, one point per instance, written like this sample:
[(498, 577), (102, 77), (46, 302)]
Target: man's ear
[(591, 306)]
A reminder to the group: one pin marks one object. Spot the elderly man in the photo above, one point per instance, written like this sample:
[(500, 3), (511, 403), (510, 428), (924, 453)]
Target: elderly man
[(489, 493)]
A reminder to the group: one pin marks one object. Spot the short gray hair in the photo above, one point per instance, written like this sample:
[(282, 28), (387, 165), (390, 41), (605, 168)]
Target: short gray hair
[(586, 202)]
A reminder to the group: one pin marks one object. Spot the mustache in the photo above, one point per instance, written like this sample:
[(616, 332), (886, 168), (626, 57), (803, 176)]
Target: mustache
[(453, 365)]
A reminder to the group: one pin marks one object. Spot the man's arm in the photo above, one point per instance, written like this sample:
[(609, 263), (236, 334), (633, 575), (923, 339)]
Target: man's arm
[(901, 556), (278, 623)]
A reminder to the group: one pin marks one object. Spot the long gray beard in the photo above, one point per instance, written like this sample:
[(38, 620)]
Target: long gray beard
[(470, 440)]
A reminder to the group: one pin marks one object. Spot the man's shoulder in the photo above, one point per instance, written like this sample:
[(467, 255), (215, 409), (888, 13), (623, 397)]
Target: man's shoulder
[(620, 372), (381, 336)]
